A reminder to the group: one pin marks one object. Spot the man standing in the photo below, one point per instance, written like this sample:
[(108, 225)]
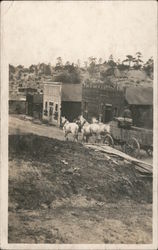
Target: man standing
[(127, 117), (127, 113)]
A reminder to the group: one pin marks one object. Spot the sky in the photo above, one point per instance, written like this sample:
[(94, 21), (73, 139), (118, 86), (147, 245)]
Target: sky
[(40, 31)]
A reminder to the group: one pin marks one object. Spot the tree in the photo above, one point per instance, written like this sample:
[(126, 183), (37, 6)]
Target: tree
[(36, 69), (129, 59), (59, 62), (108, 72), (149, 67), (92, 60), (111, 62), (92, 63), (111, 58), (20, 66), (42, 68), (139, 55), (47, 69), (67, 77), (86, 64), (78, 63), (32, 68), (100, 60), (138, 60), (122, 67), (72, 68), (63, 77), (11, 69), (118, 62), (67, 65)]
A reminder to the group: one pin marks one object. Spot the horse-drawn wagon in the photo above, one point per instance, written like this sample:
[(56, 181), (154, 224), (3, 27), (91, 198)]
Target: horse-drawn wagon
[(132, 139)]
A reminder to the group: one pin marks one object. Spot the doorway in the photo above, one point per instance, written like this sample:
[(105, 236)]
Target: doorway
[(107, 116)]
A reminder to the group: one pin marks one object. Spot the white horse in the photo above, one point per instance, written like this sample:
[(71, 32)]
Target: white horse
[(70, 128), (104, 128), (88, 129)]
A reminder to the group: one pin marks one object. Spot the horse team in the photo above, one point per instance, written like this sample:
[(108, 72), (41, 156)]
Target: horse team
[(87, 129)]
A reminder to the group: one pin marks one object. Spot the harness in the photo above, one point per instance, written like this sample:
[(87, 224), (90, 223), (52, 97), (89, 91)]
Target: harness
[(83, 123), (65, 122)]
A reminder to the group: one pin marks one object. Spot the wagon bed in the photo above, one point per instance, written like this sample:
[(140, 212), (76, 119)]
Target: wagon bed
[(132, 139)]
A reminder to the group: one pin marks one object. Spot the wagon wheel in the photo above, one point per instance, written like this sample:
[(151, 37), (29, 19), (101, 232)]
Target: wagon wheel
[(108, 140), (132, 147)]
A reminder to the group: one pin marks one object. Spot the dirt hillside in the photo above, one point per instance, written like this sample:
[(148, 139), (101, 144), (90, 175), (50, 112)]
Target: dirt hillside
[(47, 174)]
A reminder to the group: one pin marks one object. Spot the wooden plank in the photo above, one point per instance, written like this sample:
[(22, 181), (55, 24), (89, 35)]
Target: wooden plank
[(109, 150)]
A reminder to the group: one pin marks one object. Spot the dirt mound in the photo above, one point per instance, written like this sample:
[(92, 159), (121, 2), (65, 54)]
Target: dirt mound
[(44, 170), (138, 75)]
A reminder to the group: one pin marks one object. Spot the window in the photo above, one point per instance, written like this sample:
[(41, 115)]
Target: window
[(107, 113), (51, 103), (46, 105), (45, 109), (56, 112), (50, 111), (56, 107)]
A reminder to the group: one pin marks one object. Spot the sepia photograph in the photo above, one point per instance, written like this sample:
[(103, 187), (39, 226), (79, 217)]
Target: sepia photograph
[(79, 124)]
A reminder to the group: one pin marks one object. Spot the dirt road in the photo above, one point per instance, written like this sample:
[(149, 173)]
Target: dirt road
[(19, 125), (61, 192)]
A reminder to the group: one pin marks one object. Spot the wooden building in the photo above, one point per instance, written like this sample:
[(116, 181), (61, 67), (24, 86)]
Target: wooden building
[(140, 101), (17, 104), (34, 105), (61, 100), (102, 102)]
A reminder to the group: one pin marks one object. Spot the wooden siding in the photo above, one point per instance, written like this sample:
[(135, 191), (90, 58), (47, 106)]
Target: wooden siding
[(17, 107), (98, 98)]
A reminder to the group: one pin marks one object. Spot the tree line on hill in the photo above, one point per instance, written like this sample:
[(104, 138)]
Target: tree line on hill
[(73, 73)]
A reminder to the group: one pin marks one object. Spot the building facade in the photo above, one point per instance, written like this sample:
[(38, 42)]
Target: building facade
[(52, 102), (17, 104), (102, 102), (34, 105), (105, 103), (61, 100), (140, 101)]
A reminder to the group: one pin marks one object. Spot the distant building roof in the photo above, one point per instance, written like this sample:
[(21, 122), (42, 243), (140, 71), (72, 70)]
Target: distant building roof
[(52, 83), (139, 95), (71, 92), (32, 90)]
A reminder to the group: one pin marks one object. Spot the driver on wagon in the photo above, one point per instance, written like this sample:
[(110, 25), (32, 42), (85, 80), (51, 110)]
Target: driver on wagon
[(127, 113)]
